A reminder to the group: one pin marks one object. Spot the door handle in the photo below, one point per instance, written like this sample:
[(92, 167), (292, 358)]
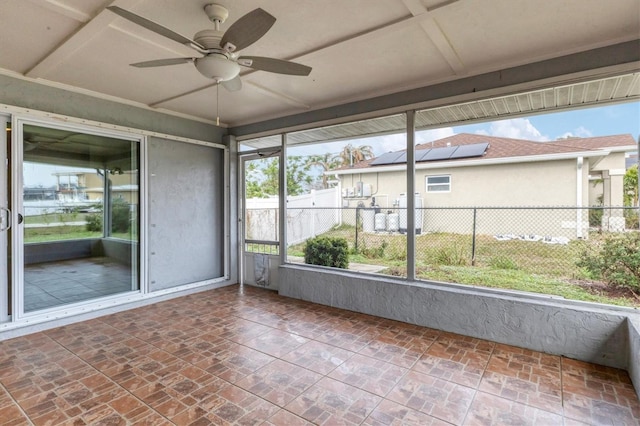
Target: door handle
[(20, 219), (5, 219)]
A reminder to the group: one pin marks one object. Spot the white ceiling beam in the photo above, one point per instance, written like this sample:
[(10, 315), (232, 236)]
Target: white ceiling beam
[(77, 40), (63, 9), (436, 34)]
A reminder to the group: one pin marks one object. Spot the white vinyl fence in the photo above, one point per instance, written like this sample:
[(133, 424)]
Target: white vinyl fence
[(308, 215)]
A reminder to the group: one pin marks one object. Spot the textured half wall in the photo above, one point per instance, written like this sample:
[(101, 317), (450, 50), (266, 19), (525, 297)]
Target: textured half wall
[(571, 329), (634, 353)]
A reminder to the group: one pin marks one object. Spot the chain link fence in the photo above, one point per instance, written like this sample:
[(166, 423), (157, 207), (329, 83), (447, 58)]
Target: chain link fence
[(536, 240)]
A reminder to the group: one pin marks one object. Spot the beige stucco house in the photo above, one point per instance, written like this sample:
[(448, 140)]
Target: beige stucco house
[(498, 172)]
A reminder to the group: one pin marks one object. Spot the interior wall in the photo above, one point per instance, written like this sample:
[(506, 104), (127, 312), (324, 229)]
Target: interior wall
[(186, 213)]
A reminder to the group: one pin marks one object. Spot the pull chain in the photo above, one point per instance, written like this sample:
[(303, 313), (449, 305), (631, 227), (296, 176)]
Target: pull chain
[(217, 104)]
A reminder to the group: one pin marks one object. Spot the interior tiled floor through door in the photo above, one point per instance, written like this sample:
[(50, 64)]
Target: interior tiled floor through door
[(233, 356), (59, 283)]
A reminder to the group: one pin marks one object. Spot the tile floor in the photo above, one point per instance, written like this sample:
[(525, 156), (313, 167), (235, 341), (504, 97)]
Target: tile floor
[(58, 283), (249, 356)]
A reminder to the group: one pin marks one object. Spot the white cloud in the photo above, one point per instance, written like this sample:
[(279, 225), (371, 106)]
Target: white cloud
[(580, 132), (517, 128), (425, 136)]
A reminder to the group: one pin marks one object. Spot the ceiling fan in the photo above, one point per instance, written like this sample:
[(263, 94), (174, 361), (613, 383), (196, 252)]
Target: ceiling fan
[(221, 61)]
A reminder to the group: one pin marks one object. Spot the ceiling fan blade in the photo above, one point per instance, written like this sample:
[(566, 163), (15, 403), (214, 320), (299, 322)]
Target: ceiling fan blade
[(274, 65), (156, 28), (232, 85), (162, 62), (247, 30)]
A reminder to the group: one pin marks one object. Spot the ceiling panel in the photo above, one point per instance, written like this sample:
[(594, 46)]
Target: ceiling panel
[(511, 32), (358, 49), (29, 32)]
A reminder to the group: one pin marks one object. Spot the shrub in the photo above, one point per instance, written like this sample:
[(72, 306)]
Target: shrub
[(120, 220), (94, 222), (617, 261), (327, 251)]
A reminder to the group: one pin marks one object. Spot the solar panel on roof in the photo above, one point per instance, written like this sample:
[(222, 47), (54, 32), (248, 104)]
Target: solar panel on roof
[(387, 158), (473, 150), (421, 153), (401, 159), (439, 153)]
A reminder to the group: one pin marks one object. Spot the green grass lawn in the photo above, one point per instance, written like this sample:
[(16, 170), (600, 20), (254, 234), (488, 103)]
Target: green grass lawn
[(527, 266), (66, 232)]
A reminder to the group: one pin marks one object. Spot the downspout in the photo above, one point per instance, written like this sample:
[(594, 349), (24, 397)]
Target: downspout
[(579, 202)]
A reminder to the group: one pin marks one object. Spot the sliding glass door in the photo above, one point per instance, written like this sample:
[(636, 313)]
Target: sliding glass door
[(78, 215)]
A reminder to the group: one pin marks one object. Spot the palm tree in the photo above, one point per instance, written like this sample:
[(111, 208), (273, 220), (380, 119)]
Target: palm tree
[(351, 154), (326, 162)]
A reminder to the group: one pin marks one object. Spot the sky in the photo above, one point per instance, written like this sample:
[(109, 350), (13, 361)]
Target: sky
[(588, 122)]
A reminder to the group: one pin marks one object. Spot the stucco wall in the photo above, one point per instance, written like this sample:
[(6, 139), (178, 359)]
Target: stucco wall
[(577, 330), (634, 353), (550, 183)]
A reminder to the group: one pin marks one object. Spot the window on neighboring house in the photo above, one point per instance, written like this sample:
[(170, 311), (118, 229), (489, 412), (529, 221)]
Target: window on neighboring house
[(439, 183)]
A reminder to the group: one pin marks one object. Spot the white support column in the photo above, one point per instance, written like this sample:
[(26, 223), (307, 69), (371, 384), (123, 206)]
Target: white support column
[(282, 217), (579, 198), (411, 198)]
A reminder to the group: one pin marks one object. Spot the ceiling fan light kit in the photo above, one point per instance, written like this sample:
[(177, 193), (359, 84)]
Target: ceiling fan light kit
[(217, 67), (220, 61)]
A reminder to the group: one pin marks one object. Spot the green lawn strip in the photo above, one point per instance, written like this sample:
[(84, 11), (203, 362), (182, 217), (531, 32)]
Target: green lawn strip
[(59, 233), (515, 280)]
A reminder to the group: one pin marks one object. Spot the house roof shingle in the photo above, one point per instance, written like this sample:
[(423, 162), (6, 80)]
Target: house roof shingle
[(500, 147)]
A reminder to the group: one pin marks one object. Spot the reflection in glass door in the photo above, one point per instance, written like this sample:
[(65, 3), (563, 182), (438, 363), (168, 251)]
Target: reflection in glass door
[(80, 198)]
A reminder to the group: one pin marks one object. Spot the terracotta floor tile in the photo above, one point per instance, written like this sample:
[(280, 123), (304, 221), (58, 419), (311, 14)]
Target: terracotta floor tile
[(439, 398), (249, 356), (599, 411), (235, 405), (276, 343), (330, 402), (390, 413), (240, 330), (284, 417), (492, 410), (403, 355), (459, 359), (524, 376), (232, 362), (317, 356), (279, 382), (369, 374)]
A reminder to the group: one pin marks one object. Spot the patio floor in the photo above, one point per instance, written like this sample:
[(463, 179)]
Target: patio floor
[(249, 356)]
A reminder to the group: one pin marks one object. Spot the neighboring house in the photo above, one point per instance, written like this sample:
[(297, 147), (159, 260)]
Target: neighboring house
[(469, 170)]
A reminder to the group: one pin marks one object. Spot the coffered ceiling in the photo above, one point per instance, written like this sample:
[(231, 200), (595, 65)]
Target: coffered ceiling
[(358, 49)]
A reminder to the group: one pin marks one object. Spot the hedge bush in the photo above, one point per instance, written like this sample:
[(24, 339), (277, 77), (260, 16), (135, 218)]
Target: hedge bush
[(617, 261), (327, 251)]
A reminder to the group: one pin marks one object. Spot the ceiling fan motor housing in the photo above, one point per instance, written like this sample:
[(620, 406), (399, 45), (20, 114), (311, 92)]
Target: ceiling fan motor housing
[(217, 67)]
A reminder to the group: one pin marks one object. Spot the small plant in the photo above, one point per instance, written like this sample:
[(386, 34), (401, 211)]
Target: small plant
[(120, 211), (503, 262), (374, 252), (451, 256), (327, 251), (616, 261), (94, 222)]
